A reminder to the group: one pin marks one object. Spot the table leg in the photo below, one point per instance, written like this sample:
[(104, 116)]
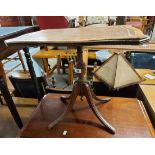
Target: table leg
[(32, 72), (70, 72), (10, 102), (69, 106), (82, 88), (89, 97)]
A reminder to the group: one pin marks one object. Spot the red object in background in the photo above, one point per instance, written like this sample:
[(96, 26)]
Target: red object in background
[(52, 22)]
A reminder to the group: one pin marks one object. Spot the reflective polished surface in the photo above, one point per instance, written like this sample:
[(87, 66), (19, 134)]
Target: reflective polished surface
[(127, 115)]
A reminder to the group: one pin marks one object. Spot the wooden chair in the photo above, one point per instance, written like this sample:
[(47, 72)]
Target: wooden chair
[(54, 22), (95, 20), (19, 56), (50, 22), (149, 26), (137, 21), (23, 84)]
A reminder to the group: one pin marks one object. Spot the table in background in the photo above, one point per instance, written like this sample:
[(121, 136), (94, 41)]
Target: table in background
[(141, 72), (5, 51), (146, 93)]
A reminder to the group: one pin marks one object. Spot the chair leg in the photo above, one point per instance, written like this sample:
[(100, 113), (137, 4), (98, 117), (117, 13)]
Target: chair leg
[(1, 101), (45, 62), (21, 60), (3, 72)]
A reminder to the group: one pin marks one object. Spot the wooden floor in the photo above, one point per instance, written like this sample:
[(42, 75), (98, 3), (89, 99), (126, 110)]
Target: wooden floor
[(25, 107)]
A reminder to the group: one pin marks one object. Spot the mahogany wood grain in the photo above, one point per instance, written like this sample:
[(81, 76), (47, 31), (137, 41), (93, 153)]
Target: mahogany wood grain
[(127, 115), (15, 21), (70, 74)]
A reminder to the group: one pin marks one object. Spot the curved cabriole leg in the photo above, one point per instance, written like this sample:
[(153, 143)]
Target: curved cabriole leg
[(64, 99), (105, 100), (82, 88), (70, 104), (89, 98)]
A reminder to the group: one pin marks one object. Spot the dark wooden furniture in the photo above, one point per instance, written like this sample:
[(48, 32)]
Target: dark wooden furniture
[(5, 51), (79, 37), (11, 32), (127, 115), (15, 21), (23, 84)]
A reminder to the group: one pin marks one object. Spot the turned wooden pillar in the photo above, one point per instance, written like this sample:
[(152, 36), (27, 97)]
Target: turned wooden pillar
[(32, 72)]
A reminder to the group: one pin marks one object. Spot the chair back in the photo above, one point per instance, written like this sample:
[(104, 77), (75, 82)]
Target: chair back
[(24, 86), (52, 22)]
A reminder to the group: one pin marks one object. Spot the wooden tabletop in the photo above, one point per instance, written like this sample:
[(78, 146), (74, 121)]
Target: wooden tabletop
[(10, 32), (82, 36), (149, 92), (138, 48), (146, 94), (142, 73), (127, 115), (5, 32), (147, 81)]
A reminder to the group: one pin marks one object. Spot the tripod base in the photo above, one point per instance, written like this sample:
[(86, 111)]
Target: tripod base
[(82, 89)]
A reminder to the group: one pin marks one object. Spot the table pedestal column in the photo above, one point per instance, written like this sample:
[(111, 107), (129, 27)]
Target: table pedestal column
[(82, 88)]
